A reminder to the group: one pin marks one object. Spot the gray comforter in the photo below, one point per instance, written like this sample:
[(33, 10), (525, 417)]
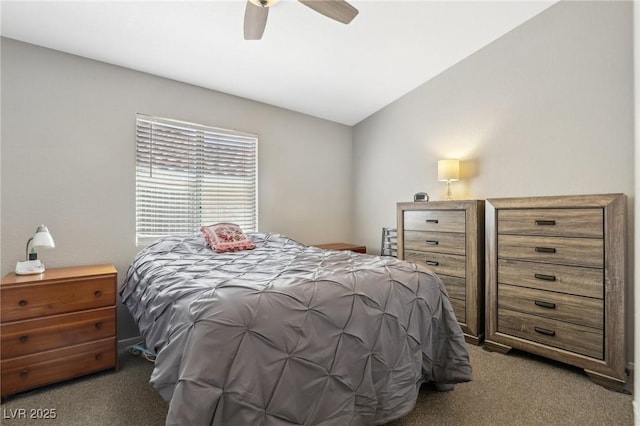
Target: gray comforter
[(288, 334)]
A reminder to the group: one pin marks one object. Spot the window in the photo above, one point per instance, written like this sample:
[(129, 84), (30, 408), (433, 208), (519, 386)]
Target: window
[(188, 175)]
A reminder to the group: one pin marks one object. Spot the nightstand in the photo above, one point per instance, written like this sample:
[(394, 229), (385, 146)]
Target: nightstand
[(342, 246), (57, 325)]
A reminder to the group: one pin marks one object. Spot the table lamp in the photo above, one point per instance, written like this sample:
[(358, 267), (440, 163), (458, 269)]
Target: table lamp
[(42, 238)]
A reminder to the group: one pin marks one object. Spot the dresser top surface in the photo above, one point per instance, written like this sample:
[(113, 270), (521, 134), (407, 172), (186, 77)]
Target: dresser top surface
[(54, 274), (565, 201), (440, 205)]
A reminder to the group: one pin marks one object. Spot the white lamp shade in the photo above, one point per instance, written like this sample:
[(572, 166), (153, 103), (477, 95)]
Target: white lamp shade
[(43, 238), (449, 170)]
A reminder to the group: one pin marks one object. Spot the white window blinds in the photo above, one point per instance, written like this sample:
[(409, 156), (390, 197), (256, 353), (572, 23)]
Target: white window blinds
[(188, 175)]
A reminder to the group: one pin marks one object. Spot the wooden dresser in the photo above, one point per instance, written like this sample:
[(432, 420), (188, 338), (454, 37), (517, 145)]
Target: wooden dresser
[(57, 325), (556, 280), (448, 238)]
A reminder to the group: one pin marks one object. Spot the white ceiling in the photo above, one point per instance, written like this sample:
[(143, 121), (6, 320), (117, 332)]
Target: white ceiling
[(305, 62)]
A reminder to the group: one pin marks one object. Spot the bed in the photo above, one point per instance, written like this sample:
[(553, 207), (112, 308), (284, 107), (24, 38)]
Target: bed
[(288, 334)]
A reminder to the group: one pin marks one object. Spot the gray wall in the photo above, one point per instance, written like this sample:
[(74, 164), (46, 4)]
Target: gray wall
[(68, 158), (545, 110)]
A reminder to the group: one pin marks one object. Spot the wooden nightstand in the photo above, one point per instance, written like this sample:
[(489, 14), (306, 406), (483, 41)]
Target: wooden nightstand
[(342, 246), (57, 325)]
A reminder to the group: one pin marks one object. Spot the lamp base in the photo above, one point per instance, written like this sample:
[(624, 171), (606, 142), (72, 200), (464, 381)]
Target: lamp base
[(29, 267), (449, 198)]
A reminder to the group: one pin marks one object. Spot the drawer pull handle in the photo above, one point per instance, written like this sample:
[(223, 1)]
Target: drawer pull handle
[(545, 277), (98, 325), (545, 331), (545, 250), (432, 220), (545, 222), (98, 357), (545, 304), (432, 263), (24, 373), (432, 242), (97, 293), (22, 302), (23, 339)]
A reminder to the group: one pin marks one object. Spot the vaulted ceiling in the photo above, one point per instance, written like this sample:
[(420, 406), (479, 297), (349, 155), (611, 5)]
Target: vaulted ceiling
[(305, 61)]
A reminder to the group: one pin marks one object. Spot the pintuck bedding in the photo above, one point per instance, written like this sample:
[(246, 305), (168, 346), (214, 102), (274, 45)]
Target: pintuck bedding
[(287, 334)]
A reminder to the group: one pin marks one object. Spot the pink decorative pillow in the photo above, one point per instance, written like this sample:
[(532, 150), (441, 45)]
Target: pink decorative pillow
[(223, 237)]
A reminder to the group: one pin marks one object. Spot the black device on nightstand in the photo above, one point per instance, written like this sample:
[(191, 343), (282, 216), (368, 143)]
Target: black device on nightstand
[(421, 196)]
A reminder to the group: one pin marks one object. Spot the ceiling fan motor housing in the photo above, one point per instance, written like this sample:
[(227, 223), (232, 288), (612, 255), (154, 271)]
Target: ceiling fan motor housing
[(264, 3)]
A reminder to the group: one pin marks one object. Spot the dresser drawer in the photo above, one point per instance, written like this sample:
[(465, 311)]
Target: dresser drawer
[(445, 264), (435, 220), (564, 307), (571, 337), (31, 371), (552, 222), (42, 334), (547, 276), (560, 250), (456, 287), (440, 242), (41, 299)]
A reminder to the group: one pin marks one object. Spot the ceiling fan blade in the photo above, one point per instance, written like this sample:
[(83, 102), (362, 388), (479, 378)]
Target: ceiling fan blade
[(339, 10), (255, 19)]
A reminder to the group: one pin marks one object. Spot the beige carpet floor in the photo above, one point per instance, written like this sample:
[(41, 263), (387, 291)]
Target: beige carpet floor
[(512, 389)]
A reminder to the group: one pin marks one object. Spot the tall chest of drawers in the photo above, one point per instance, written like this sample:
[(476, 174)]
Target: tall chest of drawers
[(447, 237), (556, 280), (57, 325)]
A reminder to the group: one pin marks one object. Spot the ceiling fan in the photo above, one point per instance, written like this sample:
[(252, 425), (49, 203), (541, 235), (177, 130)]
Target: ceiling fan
[(255, 15)]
